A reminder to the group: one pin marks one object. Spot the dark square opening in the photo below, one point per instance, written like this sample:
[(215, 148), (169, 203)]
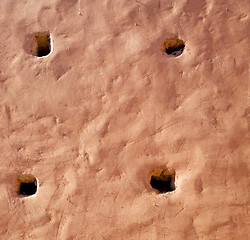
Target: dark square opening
[(173, 47), (27, 185), (162, 180), (42, 44)]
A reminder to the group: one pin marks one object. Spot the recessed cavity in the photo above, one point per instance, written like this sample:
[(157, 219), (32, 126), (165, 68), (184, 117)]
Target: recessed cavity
[(26, 185), (173, 47), (162, 180), (41, 44)]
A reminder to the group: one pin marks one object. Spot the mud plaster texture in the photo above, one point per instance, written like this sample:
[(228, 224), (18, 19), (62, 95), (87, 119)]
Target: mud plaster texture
[(92, 120)]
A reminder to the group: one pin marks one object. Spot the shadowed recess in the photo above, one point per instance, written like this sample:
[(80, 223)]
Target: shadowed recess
[(173, 47), (42, 44), (162, 180), (26, 185)]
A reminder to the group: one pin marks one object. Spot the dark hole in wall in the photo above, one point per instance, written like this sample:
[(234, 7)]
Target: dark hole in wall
[(162, 180), (27, 185), (173, 47), (42, 44)]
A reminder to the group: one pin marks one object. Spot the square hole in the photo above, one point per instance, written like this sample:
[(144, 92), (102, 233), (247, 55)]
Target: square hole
[(173, 46), (41, 44), (26, 185), (162, 180)]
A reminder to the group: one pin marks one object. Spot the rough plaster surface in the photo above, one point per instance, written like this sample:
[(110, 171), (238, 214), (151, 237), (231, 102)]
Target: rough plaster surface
[(91, 120)]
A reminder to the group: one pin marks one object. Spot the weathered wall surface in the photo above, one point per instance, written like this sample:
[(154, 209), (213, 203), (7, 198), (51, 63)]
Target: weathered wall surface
[(91, 120)]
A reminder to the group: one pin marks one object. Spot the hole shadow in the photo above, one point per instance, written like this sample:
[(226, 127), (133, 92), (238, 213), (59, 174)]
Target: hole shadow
[(26, 185), (173, 47), (162, 180)]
